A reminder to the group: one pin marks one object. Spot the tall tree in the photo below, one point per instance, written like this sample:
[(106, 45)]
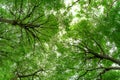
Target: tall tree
[(59, 40)]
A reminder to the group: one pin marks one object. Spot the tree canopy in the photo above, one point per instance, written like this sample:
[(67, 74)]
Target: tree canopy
[(59, 40)]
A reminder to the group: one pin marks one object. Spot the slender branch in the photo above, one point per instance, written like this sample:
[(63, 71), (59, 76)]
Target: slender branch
[(28, 75), (104, 56), (105, 69), (20, 76), (30, 13), (15, 22), (99, 46), (23, 25), (6, 20), (110, 7), (69, 7), (86, 49), (72, 4), (20, 9)]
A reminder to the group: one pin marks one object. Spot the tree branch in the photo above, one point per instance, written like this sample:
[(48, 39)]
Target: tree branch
[(104, 56), (86, 49), (15, 22), (28, 75), (105, 69)]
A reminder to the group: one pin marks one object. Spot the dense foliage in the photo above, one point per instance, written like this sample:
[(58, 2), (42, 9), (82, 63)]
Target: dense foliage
[(59, 40)]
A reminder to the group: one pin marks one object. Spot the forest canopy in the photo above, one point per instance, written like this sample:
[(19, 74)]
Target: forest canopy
[(59, 40)]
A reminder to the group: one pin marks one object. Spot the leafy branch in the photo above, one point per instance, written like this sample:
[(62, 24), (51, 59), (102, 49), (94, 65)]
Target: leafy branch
[(104, 70), (20, 76)]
